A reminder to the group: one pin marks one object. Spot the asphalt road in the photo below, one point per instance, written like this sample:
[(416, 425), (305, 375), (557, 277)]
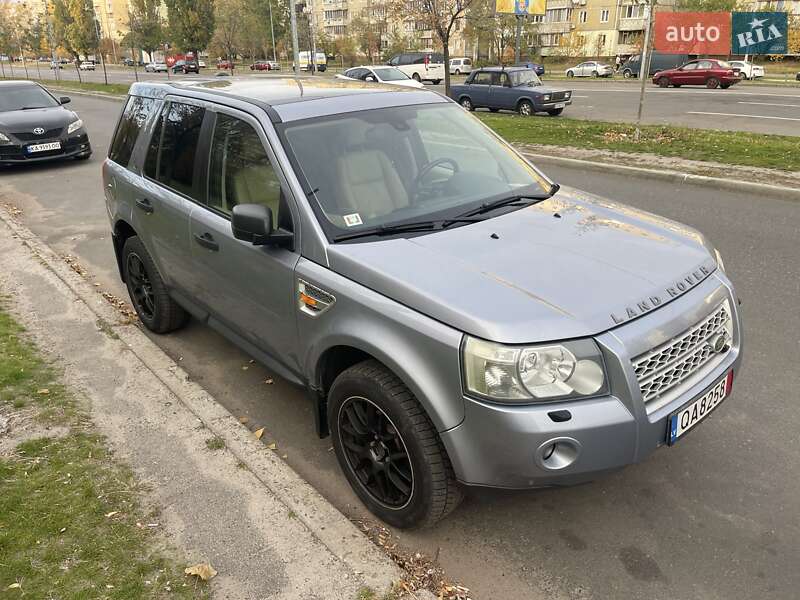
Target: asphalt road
[(744, 107), (716, 517)]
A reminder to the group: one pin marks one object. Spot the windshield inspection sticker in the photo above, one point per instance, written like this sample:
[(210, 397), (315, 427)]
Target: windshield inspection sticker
[(353, 220)]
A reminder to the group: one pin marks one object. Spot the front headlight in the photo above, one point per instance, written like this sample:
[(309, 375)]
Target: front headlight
[(74, 126), (546, 97), (524, 374), (568, 94), (4, 139)]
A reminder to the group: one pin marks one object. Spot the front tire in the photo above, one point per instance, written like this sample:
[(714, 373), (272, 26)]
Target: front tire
[(663, 82), (156, 309), (570, 74), (436, 81), (388, 448), (525, 108), (467, 103), (627, 74), (416, 78)]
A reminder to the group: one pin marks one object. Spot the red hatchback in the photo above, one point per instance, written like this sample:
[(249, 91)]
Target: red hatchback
[(261, 65), (705, 71)]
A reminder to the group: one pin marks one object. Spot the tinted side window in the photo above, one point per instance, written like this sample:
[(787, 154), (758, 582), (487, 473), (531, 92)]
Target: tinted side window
[(151, 162), (133, 119), (482, 78), (181, 133), (240, 170)]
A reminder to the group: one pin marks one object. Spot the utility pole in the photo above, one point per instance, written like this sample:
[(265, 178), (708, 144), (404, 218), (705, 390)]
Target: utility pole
[(644, 66), (293, 11), (99, 49), (518, 35), (53, 64), (272, 31), (312, 62)]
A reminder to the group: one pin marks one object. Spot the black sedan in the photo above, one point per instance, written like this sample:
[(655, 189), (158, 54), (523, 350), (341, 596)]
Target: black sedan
[(186, 66), (35, 126), (514, 88)]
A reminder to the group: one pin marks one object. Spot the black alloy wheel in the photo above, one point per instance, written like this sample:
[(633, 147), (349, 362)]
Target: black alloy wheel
[(140, 286), (466, 103), (376, 453)]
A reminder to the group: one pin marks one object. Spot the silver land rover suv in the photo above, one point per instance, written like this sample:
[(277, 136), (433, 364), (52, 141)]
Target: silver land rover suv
[(457, 317)]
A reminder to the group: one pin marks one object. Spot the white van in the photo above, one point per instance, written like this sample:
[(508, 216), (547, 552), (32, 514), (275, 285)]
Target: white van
[(460, 66), (321, 61), (421, 66)]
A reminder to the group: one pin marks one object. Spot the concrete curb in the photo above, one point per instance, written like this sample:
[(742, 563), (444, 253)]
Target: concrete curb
[(718, 183), (333, 530)]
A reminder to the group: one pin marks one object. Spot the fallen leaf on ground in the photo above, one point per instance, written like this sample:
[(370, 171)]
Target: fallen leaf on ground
[(244, 420), (203, 570), (112, 513), (272, 446), (14, 586), (43, 391), (259, 432)]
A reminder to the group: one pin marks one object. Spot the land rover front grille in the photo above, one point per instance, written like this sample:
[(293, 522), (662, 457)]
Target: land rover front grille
[(662, 370)]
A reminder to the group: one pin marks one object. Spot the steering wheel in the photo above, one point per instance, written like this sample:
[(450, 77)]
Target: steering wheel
[(424, 171)]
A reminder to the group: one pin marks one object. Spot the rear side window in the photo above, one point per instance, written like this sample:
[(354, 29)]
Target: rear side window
[(171, 155), (133, 119)]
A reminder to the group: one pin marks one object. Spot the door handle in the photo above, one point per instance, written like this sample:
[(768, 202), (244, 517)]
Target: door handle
[(206, 241), (145, 205)]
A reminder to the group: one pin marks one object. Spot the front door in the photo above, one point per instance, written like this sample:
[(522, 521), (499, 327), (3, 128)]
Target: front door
[(480, 87), (249, 289), (503, 95)]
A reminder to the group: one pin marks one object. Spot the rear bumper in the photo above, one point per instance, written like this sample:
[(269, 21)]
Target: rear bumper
[(507, 446)]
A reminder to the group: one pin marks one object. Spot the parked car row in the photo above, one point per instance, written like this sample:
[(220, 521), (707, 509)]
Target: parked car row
[(265, 65)]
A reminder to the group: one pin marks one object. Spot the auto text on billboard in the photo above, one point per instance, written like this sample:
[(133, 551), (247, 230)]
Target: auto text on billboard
[(693, 33)]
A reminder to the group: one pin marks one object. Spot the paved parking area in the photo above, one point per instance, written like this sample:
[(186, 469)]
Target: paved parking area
[(714, 518)]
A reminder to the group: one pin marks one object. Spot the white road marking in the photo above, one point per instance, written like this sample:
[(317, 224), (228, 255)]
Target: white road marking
[(747, 116), (771, 104), (681, 91), (580, 96)]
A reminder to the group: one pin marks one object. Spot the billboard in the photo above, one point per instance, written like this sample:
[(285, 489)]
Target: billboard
[(693, 33), (520, 7), (759, 32)]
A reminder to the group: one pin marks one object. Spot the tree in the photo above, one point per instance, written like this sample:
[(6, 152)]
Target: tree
[(366, 38), (267, 17), (710, 5), (145, 25), (191, 23), (441, 17), (228, 27)]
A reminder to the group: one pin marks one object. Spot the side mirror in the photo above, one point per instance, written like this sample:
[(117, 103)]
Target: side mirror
[(65, 100), (369, 78), (254, 223)]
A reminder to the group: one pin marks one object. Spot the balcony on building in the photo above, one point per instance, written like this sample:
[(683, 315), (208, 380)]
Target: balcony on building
[(634, 24)]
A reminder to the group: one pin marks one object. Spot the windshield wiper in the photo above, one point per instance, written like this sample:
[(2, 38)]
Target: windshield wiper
[(414, 226), (512, 200), (31, 107)]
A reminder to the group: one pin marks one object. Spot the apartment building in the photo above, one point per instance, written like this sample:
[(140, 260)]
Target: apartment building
[(112, 15)]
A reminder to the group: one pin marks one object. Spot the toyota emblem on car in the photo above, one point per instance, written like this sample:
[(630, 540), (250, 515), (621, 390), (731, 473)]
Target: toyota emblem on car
[(38, 130)]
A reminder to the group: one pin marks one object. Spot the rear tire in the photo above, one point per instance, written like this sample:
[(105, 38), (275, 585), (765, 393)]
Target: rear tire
[(458, 72), (157, 310), (663, 82), (712, 83), (388, 448), (525, 108), (595, 74)]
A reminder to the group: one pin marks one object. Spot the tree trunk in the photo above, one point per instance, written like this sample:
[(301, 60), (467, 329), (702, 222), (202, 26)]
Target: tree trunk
[(446, 52)]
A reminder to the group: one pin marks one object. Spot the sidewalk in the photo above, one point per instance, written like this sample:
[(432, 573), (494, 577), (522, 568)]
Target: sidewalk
[(231, 502)]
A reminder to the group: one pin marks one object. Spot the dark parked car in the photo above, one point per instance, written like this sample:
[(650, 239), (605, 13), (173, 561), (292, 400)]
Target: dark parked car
[(515, 88), (797, 76), (35, 126), (532, 65), (659, 61), (186, 66), (707, 72)]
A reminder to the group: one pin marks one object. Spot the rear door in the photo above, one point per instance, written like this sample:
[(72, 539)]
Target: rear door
[(479, 88), (169, 187), (249, 289), (705, 70)]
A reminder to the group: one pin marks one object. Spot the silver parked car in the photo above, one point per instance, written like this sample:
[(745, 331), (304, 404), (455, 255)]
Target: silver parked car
[(590, 69), (457, 317)]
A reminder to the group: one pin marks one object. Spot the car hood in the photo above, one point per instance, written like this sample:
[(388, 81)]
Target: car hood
[(406, 83), (571, 266), (26, 120)]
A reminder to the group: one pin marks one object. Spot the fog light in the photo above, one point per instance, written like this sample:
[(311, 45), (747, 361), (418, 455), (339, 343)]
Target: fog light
[(558, 453)]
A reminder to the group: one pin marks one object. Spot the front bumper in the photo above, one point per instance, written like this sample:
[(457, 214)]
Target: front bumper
[(551, 104), (503, 446), (72, 146)]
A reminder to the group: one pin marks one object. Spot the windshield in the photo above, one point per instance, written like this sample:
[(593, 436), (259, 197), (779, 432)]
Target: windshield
[(525, 78), (25, 97), (391, 165), (389, 74), (724, 64)]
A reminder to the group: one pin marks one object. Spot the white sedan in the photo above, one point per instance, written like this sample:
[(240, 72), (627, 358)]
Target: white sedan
[(590, 69), (86, 66), (380, 74), (747, 69)]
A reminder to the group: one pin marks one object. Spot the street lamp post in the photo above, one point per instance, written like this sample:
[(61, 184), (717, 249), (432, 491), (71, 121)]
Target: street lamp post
[(272, 31), (99, 49), (293, 17), (644, 66)]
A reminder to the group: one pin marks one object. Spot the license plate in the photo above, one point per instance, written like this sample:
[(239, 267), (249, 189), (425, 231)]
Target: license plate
[(560, 105), (44, 147), (689, 416)]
